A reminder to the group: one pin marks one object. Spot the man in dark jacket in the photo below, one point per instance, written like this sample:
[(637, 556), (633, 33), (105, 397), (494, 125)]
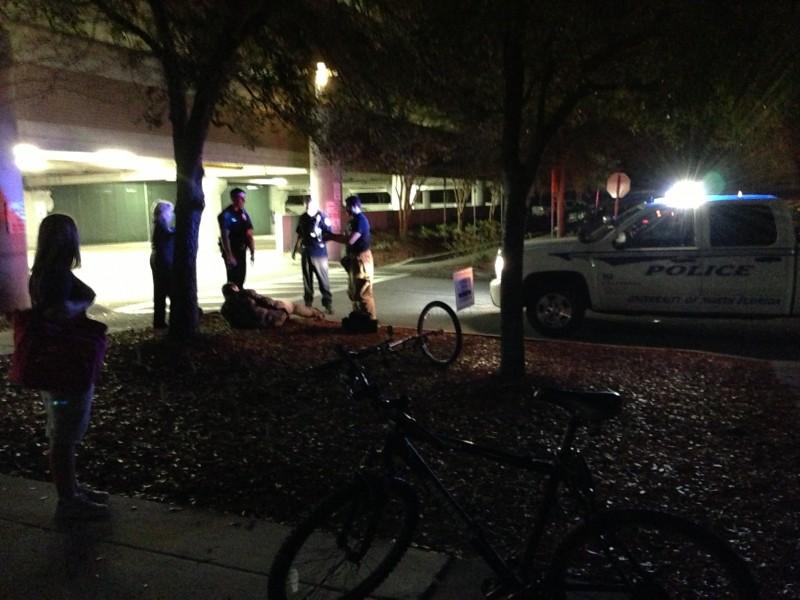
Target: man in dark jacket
[(313, 229)]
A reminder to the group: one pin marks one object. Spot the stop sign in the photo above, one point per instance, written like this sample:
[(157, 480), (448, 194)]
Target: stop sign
[(618, 185)]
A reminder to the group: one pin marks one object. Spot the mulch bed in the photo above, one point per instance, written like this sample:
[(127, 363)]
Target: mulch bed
[(236, 423)]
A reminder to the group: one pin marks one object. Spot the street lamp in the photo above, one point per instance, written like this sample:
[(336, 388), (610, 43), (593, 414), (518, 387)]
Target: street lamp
[(321, 77)]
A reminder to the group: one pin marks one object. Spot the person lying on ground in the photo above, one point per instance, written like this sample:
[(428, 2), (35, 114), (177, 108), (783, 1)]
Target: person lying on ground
[(247, 309)]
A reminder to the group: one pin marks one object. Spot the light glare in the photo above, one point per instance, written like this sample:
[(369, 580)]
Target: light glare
[(499, 263), (685, 194), (322, 76), (29, 158), (114, 158), (270, 181)]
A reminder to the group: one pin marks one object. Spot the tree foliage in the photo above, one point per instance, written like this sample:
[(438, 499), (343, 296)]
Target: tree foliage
[(502, 84), (518, 86)]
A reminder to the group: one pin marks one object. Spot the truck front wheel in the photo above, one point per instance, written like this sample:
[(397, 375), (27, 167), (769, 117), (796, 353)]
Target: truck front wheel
[(555, 311)]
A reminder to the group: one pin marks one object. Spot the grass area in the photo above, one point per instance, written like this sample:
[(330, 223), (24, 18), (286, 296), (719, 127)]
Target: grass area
[(237, 423)]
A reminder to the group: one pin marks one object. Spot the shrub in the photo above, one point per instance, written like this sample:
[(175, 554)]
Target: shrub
[(471, 238)]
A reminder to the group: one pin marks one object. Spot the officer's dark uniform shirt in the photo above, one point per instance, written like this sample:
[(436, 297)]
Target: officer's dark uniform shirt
[(360, 224), (311, 231), (237, 224)]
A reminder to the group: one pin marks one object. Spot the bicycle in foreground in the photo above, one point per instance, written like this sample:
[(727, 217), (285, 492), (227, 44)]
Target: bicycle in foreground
[(350, 543)]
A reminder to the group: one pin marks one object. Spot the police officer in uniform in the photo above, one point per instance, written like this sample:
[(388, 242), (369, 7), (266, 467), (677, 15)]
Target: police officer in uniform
[(313, 230), (236, 236)]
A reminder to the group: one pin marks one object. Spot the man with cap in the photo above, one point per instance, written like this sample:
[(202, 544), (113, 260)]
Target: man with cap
[(358, 261)]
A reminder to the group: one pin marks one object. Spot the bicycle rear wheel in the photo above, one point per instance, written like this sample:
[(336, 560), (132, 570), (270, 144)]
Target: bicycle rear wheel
[(440, 333), (349, 544), (646, 555)]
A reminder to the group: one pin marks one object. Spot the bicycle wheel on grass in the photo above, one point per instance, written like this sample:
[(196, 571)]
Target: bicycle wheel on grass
[(349, 544), (440, 333), (641, 554)]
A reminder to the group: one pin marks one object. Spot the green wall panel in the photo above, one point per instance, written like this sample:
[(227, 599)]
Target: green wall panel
[(105, 213), (108, 213)]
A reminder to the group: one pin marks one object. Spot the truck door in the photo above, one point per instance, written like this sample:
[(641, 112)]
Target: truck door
[(748, 268), (651, 269)]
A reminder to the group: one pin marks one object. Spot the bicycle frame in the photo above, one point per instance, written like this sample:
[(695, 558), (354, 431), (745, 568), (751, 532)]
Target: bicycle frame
[(389, 346), (398, 445), (615, 536)]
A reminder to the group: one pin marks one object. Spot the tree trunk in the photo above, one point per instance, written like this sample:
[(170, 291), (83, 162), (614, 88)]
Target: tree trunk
[(405, 206), (183, 313), (516, 183), (512, 344)]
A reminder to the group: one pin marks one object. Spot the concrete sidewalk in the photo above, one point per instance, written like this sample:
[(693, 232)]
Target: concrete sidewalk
[(150, 551)]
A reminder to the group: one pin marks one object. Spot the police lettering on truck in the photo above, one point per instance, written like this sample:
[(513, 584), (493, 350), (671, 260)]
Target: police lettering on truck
[(696, 271)]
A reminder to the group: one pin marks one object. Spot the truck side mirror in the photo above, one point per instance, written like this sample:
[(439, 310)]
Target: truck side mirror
[(620, 241)]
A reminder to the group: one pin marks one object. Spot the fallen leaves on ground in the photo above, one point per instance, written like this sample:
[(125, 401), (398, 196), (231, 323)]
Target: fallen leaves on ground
[(241, 421)]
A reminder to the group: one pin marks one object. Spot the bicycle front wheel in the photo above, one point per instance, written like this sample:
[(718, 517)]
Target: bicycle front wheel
[(440, 332), (349, 544), (646, 555)]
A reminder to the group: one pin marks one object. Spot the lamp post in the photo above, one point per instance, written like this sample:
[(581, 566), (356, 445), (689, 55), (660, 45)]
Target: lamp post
[(325, 177)]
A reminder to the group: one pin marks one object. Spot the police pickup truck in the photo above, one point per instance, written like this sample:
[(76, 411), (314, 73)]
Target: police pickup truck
[(692, 255)]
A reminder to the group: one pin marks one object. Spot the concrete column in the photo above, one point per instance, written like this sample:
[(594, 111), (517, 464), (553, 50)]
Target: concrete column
[(326, 187), (13, 251), (277, 201), (38, 204)]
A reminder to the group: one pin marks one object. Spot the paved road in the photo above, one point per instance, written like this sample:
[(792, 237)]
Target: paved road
[(121, 276), (399, 300)]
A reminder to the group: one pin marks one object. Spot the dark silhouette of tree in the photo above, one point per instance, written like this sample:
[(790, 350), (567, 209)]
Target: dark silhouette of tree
[(521, 84), (511, 74)]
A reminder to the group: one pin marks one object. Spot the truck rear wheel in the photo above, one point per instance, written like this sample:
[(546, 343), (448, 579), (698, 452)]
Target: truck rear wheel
[(555, 311)]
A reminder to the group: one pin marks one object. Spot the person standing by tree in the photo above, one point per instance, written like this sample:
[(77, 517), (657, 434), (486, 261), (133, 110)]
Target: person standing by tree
[(59, 295), (313, 230), (236, 236), (358, 262), (163, 247)]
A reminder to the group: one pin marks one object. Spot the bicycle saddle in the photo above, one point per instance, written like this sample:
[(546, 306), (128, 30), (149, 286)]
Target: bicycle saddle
[(590, 407)]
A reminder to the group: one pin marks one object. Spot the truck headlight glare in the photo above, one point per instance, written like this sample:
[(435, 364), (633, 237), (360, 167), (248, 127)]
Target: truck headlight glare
[(499, 263)]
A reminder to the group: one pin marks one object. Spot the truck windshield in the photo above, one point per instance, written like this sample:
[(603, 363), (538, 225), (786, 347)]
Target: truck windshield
[(597, 230)]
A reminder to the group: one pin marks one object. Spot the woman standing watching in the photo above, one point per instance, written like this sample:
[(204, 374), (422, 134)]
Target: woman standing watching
[(58, 294), (163, 246)]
